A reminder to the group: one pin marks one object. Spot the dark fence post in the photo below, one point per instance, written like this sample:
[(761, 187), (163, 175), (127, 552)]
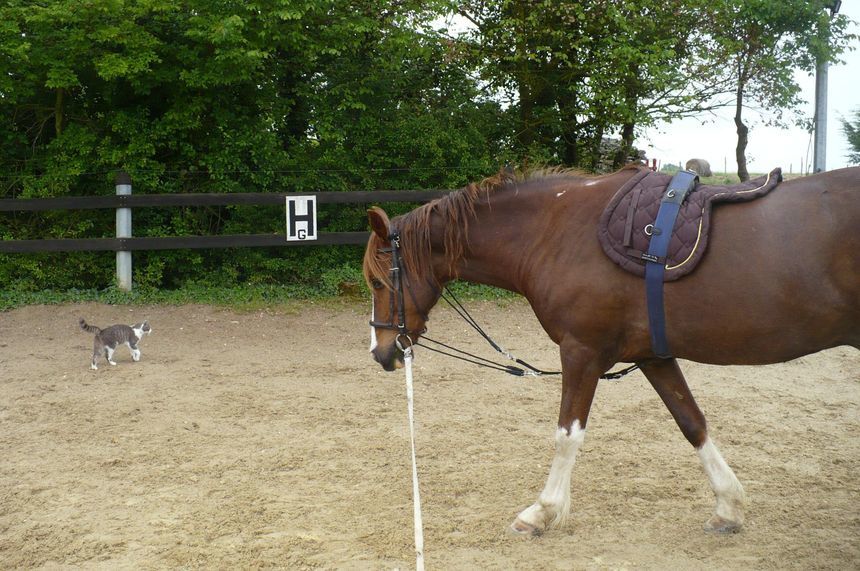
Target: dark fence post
[(123, 230)]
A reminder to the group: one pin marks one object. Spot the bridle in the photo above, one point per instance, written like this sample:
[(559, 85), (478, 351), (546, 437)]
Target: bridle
[(398, 277)]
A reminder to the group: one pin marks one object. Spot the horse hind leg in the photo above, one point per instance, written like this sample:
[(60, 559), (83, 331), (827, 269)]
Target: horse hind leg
[(666, 378), (729, 514)]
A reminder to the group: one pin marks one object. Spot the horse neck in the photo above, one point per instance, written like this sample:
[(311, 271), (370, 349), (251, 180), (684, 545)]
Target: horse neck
[(505, 226), (509, 243)]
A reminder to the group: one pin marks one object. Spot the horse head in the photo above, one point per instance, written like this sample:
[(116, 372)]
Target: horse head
[(402, 292)]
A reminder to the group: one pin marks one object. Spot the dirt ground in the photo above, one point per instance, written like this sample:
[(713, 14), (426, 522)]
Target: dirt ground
[(269, 439)]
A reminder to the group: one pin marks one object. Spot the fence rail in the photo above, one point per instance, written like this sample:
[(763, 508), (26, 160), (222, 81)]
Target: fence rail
[(176, 243), (212, 199), (124, 243)]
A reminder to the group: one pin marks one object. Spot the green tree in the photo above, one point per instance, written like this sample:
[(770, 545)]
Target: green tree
[(760, 44), (572, 72), (851, 128), (195, 96)]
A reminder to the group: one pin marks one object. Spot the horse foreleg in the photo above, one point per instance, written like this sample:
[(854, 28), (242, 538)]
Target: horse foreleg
[(666, 378), (553, 504)]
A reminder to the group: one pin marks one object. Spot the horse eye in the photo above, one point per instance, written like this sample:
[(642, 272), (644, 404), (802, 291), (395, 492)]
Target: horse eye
[(377, 284)]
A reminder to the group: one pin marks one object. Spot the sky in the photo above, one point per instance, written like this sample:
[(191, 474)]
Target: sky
[(769, 147)]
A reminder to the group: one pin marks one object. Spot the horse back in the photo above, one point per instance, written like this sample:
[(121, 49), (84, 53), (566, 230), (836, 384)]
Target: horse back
[(781, 275)]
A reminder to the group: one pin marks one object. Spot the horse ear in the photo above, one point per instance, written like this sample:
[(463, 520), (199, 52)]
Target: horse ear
[(379, 222)]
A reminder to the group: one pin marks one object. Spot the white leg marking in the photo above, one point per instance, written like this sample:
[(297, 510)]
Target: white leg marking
[(110, 356), (553, 504), (729, 514), (372, 328)]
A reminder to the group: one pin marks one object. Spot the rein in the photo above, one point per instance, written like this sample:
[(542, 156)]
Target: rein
[(482, 362), (455, 304), (397, 279)]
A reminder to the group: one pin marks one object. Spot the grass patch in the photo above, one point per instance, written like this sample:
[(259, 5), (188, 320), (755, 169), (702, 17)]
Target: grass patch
[(732, 178), (245, 298)]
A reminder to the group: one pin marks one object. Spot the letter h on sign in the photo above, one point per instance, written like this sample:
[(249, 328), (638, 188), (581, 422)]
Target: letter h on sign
[(301, 218)]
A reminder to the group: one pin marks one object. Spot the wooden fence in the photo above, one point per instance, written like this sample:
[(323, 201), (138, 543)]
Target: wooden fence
[(124, 243)]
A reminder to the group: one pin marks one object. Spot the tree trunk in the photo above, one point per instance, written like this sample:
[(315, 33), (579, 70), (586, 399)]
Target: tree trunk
[(566, 98), (743, 131), (526, 134), (294, 108), (58, 112), (595, 149), (626, 148), (544, 112), (569, 130), (631, 100)]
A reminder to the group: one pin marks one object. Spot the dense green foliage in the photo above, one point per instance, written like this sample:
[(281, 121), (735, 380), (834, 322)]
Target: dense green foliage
[(311, 95), (224, 97), (851, 128), (575, 72)]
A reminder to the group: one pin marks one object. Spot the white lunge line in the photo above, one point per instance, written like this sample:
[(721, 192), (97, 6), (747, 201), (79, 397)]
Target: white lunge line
[(416, 495), (372, 328)]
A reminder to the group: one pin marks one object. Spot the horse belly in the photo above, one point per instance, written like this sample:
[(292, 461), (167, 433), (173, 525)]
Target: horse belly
[(781, 279)]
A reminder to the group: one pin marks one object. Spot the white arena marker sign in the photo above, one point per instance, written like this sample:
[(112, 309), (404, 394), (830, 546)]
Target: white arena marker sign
[(301, 218)]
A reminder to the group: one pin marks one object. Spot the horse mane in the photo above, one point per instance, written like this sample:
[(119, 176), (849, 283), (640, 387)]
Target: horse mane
[(457, 209)]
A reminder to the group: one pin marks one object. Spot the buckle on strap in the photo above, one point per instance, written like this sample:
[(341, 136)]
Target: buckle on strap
[(680, 186)]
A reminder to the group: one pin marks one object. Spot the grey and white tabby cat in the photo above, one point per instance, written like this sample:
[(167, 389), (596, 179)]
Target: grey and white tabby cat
[(108, 339)]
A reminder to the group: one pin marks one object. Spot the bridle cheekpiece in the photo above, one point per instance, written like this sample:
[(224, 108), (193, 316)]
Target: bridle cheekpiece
[(397, 279)]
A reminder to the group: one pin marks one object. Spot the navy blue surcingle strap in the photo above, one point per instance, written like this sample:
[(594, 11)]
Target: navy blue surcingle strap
[(655, 259)]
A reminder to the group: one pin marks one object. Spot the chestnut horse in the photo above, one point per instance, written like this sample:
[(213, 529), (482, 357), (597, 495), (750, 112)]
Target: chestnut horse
[(781, 279)]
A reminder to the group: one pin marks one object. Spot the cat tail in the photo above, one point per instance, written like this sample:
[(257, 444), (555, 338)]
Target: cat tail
[(88, 328)]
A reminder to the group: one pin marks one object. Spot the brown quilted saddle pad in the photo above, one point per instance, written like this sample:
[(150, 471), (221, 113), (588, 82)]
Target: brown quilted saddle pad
[(625, 224)]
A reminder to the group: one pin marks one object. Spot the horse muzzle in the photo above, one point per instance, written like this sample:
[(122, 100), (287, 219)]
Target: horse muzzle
[(391, 358)]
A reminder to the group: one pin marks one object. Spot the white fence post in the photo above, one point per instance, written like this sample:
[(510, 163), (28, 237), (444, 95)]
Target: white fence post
[(123, 230)]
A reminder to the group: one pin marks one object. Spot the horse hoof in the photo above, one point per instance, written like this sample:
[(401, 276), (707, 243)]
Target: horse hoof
[(523, 529), (719, 525)]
